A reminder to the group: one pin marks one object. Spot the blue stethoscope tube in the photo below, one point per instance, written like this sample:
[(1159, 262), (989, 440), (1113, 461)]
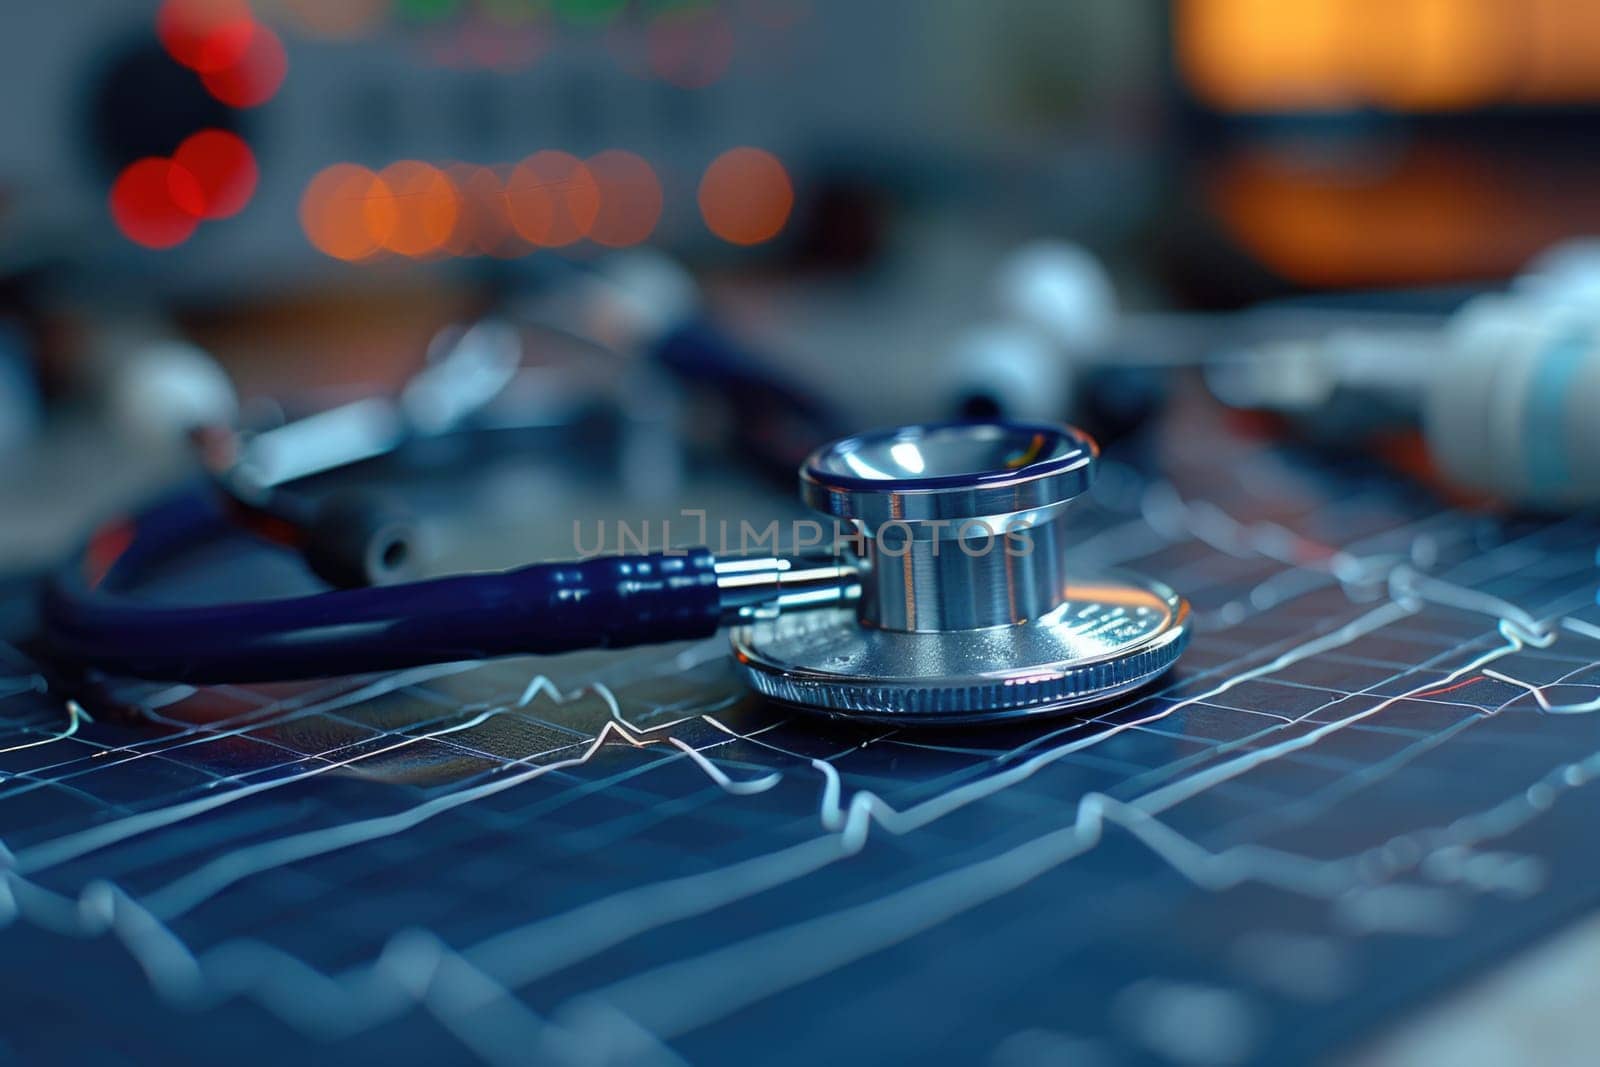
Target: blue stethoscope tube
[(606, 602)]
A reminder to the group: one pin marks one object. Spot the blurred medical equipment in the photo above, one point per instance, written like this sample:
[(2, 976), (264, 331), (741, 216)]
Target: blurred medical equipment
[(645, 306), (21, 407), (1504, 389)]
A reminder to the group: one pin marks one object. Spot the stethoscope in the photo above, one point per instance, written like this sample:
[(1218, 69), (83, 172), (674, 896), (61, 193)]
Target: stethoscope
[(954, 599)]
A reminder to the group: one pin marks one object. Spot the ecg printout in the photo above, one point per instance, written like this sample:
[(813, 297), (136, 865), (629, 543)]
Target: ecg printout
[(1371, 774)]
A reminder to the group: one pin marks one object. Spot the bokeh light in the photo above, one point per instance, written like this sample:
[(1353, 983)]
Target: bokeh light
[(255, 77), (224, 168), (588, 12), (335, 19), (511, 12), (745, 196), (629, 198), (426, 10), (484, 225), (156, 203), (690, 49), (776, 14), (493, 46), (347, 212), (552, 199), (426, 207), (205, 35), (423, 210)]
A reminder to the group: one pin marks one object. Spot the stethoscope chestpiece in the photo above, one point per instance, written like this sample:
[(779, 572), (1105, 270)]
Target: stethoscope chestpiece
[(970, 610)]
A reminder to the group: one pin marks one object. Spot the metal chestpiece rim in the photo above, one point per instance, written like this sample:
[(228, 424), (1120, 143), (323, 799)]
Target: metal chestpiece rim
[(946, 633), (949, 472)]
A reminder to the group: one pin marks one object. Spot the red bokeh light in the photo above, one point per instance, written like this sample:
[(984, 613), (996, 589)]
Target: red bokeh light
[(205, 35), (255, 77), (223, 166), (157, 203)]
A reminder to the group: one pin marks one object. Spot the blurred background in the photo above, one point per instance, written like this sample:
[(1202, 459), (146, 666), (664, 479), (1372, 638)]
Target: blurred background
[(666, 247), (308, 191)]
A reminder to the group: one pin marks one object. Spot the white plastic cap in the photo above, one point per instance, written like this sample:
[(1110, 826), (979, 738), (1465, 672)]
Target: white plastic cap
[(638, 296), (163, 389), (1062, 290), (1567, 273), (1015, 368), (1512, 413)]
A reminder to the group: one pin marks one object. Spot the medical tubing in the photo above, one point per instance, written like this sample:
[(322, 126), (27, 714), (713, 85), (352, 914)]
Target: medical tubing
[(604, 602)]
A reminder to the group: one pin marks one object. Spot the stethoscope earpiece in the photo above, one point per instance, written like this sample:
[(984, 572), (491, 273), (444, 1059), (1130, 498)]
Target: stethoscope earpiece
[(362, 538)]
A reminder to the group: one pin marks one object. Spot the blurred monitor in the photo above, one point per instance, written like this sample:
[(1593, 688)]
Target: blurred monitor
[(1359, 143)]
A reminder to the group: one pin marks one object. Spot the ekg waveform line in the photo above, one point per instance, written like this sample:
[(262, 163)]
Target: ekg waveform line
[(865, 808), (75, 717), (260, 717), (464, 988), (885, 922), (138, 925)]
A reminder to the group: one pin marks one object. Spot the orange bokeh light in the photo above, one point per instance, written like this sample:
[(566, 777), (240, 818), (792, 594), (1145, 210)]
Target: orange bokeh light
[(484, 226), (156, 203), (630, 199), (552, 199), (745, 196), (255, 77), (425, 208), (347, 212), (224, 167)]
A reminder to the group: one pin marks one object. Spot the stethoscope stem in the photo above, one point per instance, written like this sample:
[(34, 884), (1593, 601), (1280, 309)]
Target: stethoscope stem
[(764, 588)]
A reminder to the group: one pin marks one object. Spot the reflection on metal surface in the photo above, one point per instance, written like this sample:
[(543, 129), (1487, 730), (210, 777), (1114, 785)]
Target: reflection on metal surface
[(1106, 639)]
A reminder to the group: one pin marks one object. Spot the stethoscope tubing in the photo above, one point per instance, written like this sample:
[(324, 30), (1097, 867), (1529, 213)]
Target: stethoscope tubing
[(605, 602)]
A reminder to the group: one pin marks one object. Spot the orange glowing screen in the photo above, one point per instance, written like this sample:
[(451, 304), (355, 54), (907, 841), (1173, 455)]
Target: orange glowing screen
[(630, 199), (1292, 55), (745, 196), (1430, 215), (223, 166), (552, 199), (347, 212)]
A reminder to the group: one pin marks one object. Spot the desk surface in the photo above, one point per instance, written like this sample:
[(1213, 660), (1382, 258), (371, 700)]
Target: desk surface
[(1369, 780)]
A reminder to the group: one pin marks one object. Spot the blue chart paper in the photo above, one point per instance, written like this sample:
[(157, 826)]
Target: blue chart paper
[(1372, 775)]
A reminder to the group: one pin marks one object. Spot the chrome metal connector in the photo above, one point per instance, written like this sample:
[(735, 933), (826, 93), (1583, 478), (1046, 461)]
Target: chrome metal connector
[(764, 588)]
